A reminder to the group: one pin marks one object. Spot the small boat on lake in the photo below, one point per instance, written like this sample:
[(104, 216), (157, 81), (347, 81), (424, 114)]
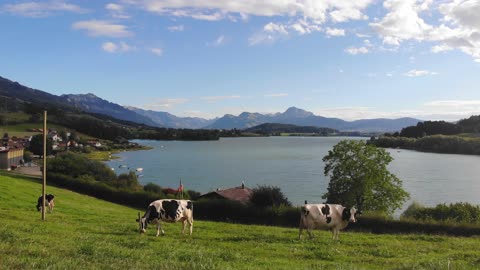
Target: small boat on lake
[(139, 169)]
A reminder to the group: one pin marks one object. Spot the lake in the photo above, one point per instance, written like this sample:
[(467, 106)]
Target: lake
[(295, 165)]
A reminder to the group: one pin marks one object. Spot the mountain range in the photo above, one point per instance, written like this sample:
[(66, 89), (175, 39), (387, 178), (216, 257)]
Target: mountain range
[(92, 104), (299, 117), (166, 119)]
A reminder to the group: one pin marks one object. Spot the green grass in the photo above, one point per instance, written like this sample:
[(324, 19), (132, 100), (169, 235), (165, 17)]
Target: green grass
[(86, 233), (101, 155)]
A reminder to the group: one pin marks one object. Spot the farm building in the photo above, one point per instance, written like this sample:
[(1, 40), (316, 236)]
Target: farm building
[(10, 156), (241, 194)]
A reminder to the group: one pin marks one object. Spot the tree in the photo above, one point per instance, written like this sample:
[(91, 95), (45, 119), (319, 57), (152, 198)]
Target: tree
[(63, 135), (5, 139), (269, 196), (36, 145), (359, 177)]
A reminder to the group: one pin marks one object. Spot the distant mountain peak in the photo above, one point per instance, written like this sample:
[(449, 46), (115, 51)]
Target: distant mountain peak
[(297, 112)]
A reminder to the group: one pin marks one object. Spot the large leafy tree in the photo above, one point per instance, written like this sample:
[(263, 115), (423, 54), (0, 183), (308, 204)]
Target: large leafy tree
[(36, 145), (359, 176)]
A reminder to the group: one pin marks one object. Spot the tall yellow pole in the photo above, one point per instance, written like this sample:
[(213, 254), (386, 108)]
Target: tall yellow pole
[(44, 162)]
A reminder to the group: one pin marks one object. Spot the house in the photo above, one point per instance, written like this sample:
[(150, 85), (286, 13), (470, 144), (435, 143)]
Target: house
[(94, 143), (241, 194), (11, 156)]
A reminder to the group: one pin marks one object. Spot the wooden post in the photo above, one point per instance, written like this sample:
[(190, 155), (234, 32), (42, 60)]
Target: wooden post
[(44, 162)]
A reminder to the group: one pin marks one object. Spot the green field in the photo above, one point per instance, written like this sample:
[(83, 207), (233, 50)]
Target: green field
[(86, 233)]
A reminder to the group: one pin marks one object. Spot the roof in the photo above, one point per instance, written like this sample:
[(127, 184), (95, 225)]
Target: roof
[(235, 194)]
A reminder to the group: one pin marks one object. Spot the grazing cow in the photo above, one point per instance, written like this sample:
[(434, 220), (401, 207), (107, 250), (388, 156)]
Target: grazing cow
[(49, 201), (334, 217), (168, 211)]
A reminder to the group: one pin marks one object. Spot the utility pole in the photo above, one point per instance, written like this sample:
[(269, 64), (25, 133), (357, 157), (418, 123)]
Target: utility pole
[(44, 162)]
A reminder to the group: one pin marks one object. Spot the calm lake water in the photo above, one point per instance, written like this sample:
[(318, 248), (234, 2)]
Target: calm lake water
[(295, 165)]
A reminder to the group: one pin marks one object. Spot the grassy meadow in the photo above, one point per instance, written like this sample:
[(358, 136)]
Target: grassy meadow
[(86, 233)]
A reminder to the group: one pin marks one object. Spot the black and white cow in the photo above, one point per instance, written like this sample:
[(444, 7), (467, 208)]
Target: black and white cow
[(334, 217), (49, 202), (168, 211)]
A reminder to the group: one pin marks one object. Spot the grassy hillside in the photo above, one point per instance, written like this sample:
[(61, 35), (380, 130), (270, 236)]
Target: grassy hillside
[(86, 233)]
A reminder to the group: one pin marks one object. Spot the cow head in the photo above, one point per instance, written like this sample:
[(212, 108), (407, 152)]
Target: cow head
[(349, 214)]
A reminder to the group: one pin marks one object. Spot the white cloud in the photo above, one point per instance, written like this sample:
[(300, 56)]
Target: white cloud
[(117, 11), (301, 16), (103, 28), (176, 28), (220, 41), (157, 51), (339, 10), (355, 51), (41, 9), (276, 95), (109, 47), (272, 32), (457, 27), (166, 103), (440, 48), (120, 47), (335, 32), (362, 35), (418, 73)]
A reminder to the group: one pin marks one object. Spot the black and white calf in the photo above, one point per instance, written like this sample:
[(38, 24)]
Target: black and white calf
[(334, 217), (49, 202), (168, 211)]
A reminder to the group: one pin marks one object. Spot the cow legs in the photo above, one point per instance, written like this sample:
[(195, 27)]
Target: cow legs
[(184, 225), (335, 233), (159, 228), (190, 222)]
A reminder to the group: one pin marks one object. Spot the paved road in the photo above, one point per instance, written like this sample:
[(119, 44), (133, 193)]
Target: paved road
[(33, 171)]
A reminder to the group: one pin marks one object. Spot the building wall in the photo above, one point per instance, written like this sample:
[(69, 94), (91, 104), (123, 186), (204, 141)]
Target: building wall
[(10, 158), (4, 160)]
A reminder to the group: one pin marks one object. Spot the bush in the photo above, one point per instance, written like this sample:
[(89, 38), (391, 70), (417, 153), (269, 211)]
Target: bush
[(457, 212), (151, 187), (269, 196), (411, 210), (193, 194)]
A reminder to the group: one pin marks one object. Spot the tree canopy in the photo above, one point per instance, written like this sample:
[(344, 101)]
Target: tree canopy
[(359, 177), (36, 145)]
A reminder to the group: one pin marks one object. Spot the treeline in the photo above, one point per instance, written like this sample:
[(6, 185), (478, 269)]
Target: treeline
[(435, 144), (277, 129), (429, 128)]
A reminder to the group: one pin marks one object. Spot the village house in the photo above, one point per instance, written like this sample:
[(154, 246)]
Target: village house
[(94, 143), (241, 194)]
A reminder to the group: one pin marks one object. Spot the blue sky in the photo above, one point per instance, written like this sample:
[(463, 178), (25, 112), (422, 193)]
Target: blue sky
[(336, 58)]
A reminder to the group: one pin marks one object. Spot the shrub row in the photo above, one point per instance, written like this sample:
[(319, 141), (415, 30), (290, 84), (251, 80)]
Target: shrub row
[(383, 225), (235, 212)]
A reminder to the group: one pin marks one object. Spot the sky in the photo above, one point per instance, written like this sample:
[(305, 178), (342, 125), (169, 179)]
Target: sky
[(206, 58)]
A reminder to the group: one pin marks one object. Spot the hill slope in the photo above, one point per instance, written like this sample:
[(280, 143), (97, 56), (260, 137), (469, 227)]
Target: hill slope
[(87, 103), (86, 233)]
